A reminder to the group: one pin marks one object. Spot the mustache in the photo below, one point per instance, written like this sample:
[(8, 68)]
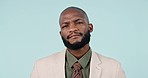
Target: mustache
[(76, 33)]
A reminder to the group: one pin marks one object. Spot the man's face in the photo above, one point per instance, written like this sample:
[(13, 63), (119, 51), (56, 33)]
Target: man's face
[(74, 28)]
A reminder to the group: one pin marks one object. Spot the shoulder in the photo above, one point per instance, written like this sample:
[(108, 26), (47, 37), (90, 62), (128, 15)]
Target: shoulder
[(52, 58), (110, 66), (106, 60)]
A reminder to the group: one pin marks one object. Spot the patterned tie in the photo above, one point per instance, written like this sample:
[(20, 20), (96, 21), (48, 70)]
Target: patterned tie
[(77, 70)]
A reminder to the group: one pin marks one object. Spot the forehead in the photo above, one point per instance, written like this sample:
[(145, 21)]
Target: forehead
[(71, 14)]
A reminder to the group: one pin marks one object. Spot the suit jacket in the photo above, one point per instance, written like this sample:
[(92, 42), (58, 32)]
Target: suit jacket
[(54, 67)]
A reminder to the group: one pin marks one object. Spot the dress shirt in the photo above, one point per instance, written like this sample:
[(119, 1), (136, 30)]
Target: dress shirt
[(84, 61)]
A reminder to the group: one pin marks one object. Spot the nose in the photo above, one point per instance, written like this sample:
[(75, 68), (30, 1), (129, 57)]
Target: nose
[(73, 28)]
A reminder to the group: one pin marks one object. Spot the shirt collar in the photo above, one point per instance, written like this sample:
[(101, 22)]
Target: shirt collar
[(84, 60)]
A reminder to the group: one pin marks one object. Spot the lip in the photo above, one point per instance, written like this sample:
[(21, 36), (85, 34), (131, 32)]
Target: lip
[(74, 36)]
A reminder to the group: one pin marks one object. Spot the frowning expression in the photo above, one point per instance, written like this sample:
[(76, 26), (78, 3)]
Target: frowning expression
[(74, 25)]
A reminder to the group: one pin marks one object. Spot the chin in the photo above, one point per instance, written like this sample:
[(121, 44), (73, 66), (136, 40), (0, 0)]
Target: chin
[(75, 41)]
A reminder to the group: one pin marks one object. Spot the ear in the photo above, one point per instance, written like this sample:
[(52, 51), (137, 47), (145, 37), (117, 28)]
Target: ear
[(90, 27), (60, 32)]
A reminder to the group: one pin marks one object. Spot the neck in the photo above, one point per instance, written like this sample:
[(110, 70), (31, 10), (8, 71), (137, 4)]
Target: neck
[(80, 52)]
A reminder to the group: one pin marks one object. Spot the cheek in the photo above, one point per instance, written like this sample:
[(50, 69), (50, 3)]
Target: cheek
[(63, 34), (84, 29)]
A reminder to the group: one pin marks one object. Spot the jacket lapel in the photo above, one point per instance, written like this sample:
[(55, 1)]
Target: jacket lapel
[(95, 69), (60, 68)]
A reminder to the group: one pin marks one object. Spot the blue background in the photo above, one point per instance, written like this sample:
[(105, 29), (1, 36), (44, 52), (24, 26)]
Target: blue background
[(29, 30)]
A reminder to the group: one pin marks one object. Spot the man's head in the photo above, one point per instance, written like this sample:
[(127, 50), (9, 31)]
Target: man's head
[(75, 28)]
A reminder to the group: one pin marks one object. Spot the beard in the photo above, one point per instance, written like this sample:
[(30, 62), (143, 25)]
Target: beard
[(77, 45)]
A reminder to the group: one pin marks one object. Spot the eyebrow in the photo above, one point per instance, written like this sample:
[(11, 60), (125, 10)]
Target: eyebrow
[(77, 20), (67, 22)]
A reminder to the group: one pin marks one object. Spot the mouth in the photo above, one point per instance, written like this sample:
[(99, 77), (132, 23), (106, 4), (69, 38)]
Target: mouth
[(74, 36)]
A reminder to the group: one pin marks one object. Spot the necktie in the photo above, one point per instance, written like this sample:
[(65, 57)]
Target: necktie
[(77, 70)]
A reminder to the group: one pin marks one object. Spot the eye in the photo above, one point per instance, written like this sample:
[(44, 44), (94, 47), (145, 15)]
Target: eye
[(64, 26), (79, 22)]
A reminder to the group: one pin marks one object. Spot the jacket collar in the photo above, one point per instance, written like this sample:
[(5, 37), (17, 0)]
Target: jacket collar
[(95, 69)]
